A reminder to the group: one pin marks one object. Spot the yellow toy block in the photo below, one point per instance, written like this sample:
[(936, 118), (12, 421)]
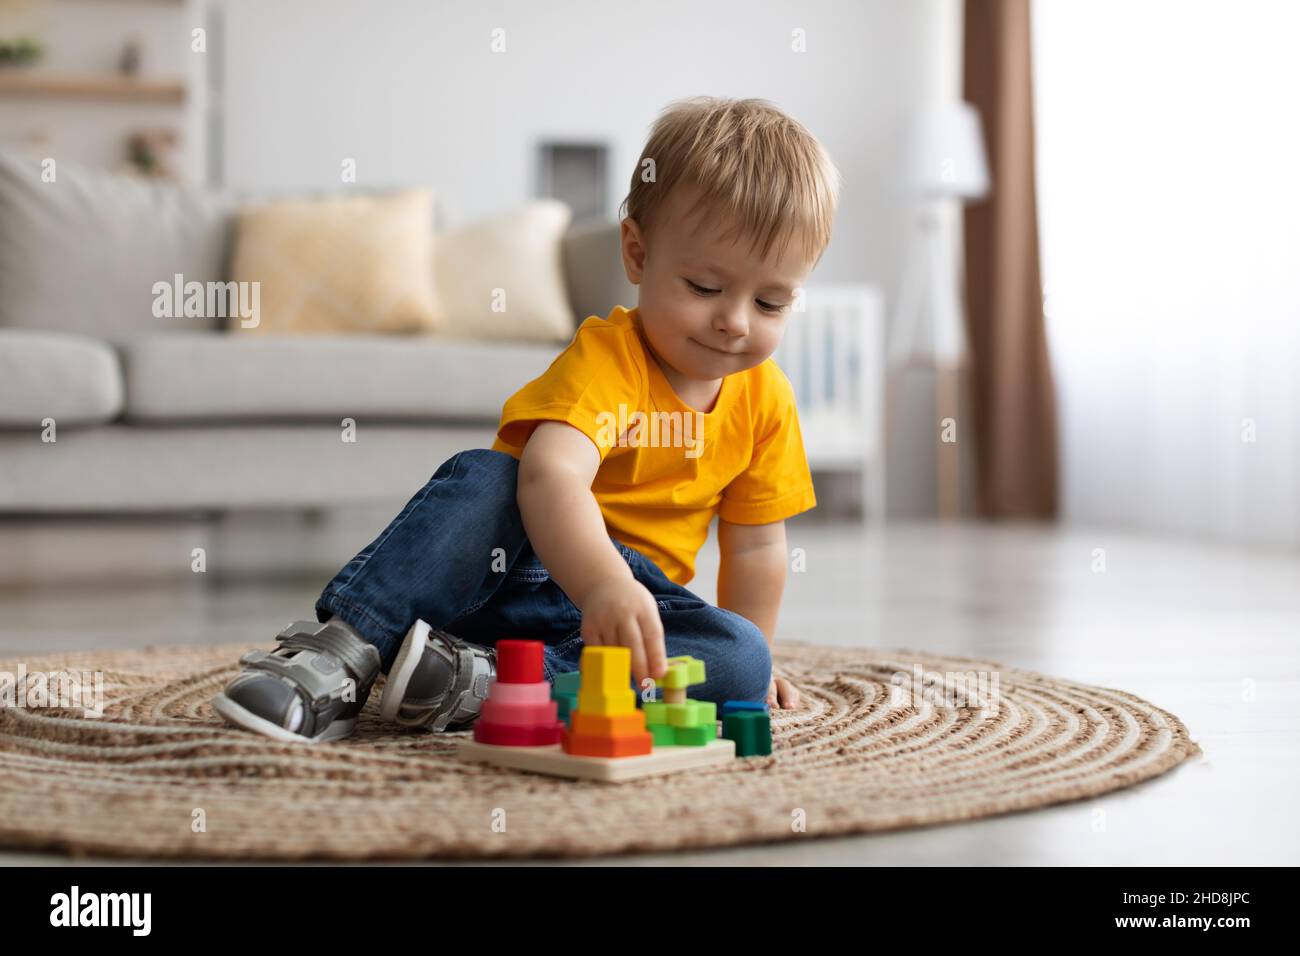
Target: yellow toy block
[(607, 705), (605, 670)]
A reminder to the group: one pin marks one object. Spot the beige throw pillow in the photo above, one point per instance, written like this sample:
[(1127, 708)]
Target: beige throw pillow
[(339, 264), (504, 278)]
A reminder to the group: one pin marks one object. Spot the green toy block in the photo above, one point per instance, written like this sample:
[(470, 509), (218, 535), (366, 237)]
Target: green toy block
[(662, 735), (752, 732), (696, 736), (692, 713), (682, 672), (676, 677), (568, 683), (682, 715), (656, 712)]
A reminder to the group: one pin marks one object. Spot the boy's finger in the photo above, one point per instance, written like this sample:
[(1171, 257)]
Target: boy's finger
[(591, 635), (652, 629), (639, 671)]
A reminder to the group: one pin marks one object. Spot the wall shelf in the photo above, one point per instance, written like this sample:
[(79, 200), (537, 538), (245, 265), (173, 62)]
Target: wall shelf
[(101, 87)]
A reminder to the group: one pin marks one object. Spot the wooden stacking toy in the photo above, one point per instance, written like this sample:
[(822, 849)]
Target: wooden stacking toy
[(678, 720), (518, 710), (607, 722), (608, 738)]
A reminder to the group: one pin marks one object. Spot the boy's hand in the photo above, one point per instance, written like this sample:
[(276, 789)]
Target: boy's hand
[(621, 611), (782, 694)]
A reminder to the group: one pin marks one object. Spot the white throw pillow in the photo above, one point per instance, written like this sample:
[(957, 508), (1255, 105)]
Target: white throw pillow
[(503, 278)]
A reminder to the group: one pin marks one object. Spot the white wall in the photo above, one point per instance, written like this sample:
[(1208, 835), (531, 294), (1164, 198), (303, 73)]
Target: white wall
[(413, 93)]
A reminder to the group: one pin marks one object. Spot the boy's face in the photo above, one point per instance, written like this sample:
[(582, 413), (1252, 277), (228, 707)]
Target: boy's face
[(708, 306)]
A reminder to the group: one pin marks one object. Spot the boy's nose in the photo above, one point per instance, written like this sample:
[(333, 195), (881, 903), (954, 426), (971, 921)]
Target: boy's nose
[(732, 323)]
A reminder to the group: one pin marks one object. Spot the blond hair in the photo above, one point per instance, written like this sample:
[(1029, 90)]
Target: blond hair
[(758, 171)]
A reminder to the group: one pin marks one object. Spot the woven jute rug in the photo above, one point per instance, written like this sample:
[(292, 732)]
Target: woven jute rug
[(881, 740)]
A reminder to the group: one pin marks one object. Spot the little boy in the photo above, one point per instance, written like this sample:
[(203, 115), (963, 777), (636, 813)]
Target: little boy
[(581, 524)]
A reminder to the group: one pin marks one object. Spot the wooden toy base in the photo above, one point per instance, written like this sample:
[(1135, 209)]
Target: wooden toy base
[(553, 760)]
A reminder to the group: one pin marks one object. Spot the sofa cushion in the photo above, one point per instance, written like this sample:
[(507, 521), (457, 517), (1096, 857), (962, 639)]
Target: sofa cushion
[(179, 376), (518, 255), (72, 379), (341, 265), (593, 269), (83, 251)]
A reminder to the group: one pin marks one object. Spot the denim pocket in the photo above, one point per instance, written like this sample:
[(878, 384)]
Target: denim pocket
[(526, 577), (680, 603)]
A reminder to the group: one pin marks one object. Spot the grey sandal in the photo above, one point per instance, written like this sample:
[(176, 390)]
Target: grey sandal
[(437, 680), (308, 690)]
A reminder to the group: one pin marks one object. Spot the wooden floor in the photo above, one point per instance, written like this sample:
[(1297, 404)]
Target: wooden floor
[(1209, 633)]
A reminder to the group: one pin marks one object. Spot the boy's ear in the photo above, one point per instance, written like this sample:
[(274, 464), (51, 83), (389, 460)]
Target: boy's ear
[(632, 244)]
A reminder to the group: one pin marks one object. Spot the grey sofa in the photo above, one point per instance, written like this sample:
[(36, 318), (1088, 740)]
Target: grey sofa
[(171, 415)]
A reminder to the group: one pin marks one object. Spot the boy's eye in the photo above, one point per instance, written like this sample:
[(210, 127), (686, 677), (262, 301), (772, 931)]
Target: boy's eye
[(765, 306)]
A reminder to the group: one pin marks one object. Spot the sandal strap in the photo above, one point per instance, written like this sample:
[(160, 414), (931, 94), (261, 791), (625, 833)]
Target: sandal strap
[(466, 682), (360, 658), (320, 687)]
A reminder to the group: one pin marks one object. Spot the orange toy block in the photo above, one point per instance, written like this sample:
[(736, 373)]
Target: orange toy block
[(608, 725), (587, 745)]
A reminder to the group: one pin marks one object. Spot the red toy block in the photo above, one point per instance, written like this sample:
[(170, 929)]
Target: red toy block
[(505, 735), (519, 662)]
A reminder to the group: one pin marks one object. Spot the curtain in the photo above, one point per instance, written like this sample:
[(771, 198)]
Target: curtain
[(1170, 215), (1010, 378)]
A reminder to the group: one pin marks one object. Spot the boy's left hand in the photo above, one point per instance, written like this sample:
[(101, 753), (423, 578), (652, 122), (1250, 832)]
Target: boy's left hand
[(782, 694)]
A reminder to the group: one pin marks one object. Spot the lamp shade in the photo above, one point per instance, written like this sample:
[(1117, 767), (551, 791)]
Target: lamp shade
[(945, 157)]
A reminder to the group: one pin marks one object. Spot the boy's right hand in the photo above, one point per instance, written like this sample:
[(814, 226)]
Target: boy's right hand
[(621, 611)]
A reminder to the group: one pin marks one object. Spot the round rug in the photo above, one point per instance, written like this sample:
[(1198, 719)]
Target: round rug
[(881, 740)]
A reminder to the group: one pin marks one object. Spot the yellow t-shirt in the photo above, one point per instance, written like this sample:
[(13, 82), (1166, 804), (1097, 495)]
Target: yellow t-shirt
[(665, 468)]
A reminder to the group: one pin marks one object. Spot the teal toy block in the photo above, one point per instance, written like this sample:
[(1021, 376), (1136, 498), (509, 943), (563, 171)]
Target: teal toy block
[(567, 683), (751, 731), (566, 704)]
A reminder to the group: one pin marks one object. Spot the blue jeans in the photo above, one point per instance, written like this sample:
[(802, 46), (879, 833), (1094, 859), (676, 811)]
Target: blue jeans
[(457, 557)]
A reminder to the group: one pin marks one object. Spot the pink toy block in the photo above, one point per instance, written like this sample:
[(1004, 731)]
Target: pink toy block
[(519, 715), (538, 693)]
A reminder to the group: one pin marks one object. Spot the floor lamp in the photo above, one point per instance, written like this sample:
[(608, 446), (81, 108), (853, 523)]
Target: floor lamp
[(946, 167)]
